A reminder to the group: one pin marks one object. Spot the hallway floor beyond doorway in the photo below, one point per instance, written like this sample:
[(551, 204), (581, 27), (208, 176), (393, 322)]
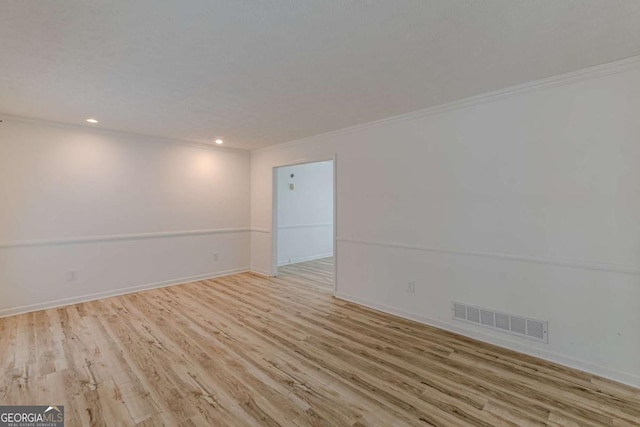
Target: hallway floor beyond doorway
[(318, 273)]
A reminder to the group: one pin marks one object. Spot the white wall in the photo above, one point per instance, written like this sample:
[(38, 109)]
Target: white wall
[(126, 212), (305, 214), (526, 202)]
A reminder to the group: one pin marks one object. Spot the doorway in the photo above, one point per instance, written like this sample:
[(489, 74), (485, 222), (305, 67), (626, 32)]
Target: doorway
[(304, 213)]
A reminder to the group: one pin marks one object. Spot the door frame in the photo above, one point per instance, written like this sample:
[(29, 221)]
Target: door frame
[(274, 213)]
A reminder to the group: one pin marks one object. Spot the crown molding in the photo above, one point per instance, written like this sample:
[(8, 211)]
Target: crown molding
[(571, 77), (113, 132)]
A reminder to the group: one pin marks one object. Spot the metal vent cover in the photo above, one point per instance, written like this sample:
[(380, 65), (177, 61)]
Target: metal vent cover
[(521, 326), (536, 329), (486, 318), (502, 321), (518, 325), (473, 314), (460, 311)]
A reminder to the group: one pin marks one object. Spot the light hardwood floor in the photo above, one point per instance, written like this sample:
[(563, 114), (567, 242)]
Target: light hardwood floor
[(247, 350), (318, 273)]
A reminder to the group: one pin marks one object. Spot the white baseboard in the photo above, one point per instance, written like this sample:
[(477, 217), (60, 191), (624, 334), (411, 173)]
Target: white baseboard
[(122, 291), (470, 332), (303, 259), (317, 225), (260, 272)]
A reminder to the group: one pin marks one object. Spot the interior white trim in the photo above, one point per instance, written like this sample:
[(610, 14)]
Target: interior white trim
[(303, 259), (590, 265), (304, 161), (260, 272), (274, 212), (285, 227), (261, 230), (597, 71), (106, 131), (116, 237), (122, 291), (512, 344)]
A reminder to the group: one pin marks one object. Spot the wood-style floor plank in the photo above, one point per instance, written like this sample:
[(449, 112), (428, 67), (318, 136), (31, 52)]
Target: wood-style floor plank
[(247, 350)]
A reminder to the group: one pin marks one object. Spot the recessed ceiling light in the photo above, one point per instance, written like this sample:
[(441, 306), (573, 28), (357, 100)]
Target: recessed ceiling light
[(93, 121), (219, 141)]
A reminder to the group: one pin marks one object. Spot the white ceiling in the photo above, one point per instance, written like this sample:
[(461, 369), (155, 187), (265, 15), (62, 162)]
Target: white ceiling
[(264, 72)]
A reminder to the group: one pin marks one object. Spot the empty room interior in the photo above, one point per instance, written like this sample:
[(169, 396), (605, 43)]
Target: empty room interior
[(323, 213)]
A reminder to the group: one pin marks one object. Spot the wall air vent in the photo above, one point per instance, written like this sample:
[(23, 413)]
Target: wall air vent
[(524, 327)]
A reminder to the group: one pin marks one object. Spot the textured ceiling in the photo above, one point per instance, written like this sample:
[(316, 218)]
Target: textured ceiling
[(264, 72)]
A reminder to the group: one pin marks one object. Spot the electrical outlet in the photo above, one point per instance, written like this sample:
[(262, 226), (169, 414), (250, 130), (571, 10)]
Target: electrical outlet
[(411, 287), (72, 276), (215, 256)]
